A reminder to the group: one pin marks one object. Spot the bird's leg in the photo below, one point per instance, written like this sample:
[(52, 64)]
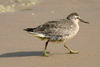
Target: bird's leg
[(71, 51), (44, 52)]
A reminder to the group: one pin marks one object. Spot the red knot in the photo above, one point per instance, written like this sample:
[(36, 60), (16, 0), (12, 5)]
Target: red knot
[(58, 31)]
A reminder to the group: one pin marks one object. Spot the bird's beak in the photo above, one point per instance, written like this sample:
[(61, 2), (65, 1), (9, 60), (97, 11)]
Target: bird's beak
[(83, 21)]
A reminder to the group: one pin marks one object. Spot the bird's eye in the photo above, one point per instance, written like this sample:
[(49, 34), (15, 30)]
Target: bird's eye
[(78, 17)]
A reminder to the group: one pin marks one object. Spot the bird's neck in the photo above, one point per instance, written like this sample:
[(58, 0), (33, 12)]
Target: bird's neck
[(75, 21)]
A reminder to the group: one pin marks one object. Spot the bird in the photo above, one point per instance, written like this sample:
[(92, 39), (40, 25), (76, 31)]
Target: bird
[(60, 30)]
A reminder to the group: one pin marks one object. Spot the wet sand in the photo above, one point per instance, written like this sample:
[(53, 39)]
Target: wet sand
[(20, 49)]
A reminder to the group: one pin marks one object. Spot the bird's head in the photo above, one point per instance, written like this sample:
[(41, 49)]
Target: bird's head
[(75, 17)]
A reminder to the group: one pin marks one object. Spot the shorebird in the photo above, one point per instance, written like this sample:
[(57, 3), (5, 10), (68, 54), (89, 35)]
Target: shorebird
[(58, 31)]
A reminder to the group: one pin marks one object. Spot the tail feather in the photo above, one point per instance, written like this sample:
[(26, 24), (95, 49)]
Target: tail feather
[(32, 31)]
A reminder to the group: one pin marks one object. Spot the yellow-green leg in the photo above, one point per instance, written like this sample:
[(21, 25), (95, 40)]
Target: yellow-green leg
[(71, 51), (44, 52)]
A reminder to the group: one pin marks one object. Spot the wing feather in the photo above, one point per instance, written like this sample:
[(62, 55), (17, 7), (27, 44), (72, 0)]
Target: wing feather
[(59, 27)]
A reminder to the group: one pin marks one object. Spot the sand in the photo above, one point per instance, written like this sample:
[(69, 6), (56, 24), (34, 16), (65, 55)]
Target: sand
[(20, 49)]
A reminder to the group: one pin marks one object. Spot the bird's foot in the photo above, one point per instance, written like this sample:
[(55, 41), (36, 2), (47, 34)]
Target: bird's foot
[(73, 52), (45, 54)]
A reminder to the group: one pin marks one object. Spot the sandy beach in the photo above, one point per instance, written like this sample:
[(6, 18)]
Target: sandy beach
[(20, 49)]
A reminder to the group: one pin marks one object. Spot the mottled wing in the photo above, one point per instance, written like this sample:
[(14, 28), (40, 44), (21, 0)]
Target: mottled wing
[(51, 28)]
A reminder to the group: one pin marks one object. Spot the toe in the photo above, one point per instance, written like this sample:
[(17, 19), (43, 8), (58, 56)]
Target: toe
[(45, 54), (73, 52)]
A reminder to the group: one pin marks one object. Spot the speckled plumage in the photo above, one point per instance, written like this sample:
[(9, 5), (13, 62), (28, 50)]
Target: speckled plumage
[(58, 30)]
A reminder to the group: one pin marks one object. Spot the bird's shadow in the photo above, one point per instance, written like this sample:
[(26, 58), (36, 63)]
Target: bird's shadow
[(22, 54)]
